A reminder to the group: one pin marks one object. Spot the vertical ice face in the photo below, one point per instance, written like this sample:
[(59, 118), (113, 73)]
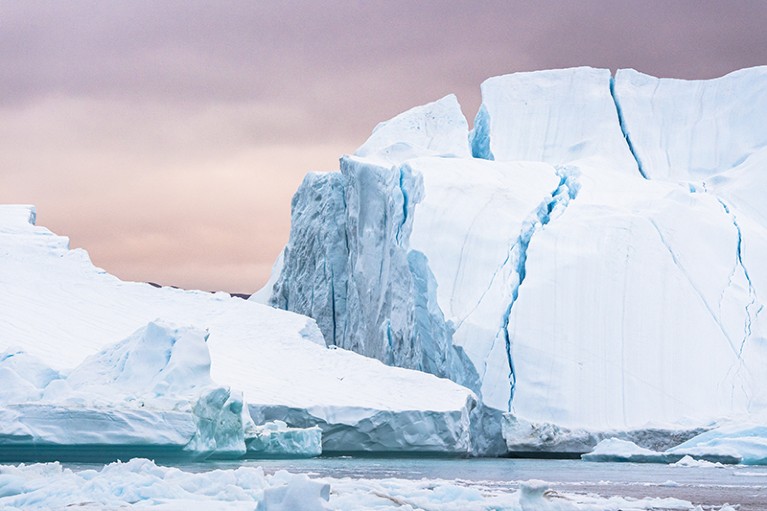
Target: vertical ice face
[(392, 310), (559, 117), (348, 262), (567, 281), (684, 130), (313, 276)]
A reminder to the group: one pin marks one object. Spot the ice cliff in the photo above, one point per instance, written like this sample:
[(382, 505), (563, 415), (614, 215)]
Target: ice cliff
[(589, 259), (86, 361)]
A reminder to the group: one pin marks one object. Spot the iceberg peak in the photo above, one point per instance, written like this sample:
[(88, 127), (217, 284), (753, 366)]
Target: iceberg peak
[(438, 128)]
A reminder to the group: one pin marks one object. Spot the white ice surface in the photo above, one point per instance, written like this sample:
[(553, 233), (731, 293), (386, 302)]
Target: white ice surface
[(740, 441), (60, 308), (141, 484), (473, 250), (636, 308), (150, 391)]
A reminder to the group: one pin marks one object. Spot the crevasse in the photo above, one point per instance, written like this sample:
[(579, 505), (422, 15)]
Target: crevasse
[(747, 325), (624, 129), (554, 206)]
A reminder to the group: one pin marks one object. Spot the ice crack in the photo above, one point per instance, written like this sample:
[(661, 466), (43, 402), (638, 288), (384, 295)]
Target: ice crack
[(747, 325), (405, 203), (332, 303), (624, 130), (695, 288), (552, 207)]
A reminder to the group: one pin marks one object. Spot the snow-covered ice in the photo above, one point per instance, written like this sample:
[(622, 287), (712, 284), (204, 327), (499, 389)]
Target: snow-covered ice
[(592, 270), (57, 307)]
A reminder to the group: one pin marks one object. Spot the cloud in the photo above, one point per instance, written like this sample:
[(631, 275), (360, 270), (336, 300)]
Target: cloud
[(168, 137)]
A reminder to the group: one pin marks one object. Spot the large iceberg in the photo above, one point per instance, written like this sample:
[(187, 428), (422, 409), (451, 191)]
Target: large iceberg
[(57, 309), (593, 270)]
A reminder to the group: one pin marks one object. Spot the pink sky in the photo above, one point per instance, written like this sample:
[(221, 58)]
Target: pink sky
[(167, 138)]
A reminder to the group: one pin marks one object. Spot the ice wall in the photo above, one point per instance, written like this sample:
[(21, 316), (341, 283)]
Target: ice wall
[(312, 280), (575, 289)]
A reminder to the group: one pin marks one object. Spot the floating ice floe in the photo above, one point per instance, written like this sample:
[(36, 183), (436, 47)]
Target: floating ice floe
[(744, 440), (276, 440), (140, 483), (735, 442)]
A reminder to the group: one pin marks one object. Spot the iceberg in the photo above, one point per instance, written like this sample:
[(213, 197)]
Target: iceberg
[(568, 260), (57, 309), (614, 449), (738, 441), (691, 130), (150, 394), (745, 440)]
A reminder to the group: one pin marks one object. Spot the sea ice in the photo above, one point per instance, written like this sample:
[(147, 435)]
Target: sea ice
[(140, 483)]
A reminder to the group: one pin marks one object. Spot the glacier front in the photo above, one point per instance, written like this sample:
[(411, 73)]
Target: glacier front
[(589, 259)]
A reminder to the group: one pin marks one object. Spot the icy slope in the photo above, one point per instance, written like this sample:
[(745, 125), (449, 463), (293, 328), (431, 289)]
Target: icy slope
[(548, 273), (58, 307)]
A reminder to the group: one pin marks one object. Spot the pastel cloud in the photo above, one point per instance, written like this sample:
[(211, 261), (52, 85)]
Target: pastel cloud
[(167, 138)]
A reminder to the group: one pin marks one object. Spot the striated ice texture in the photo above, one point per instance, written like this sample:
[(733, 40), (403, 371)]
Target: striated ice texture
[(57, 309), (596, 268)]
